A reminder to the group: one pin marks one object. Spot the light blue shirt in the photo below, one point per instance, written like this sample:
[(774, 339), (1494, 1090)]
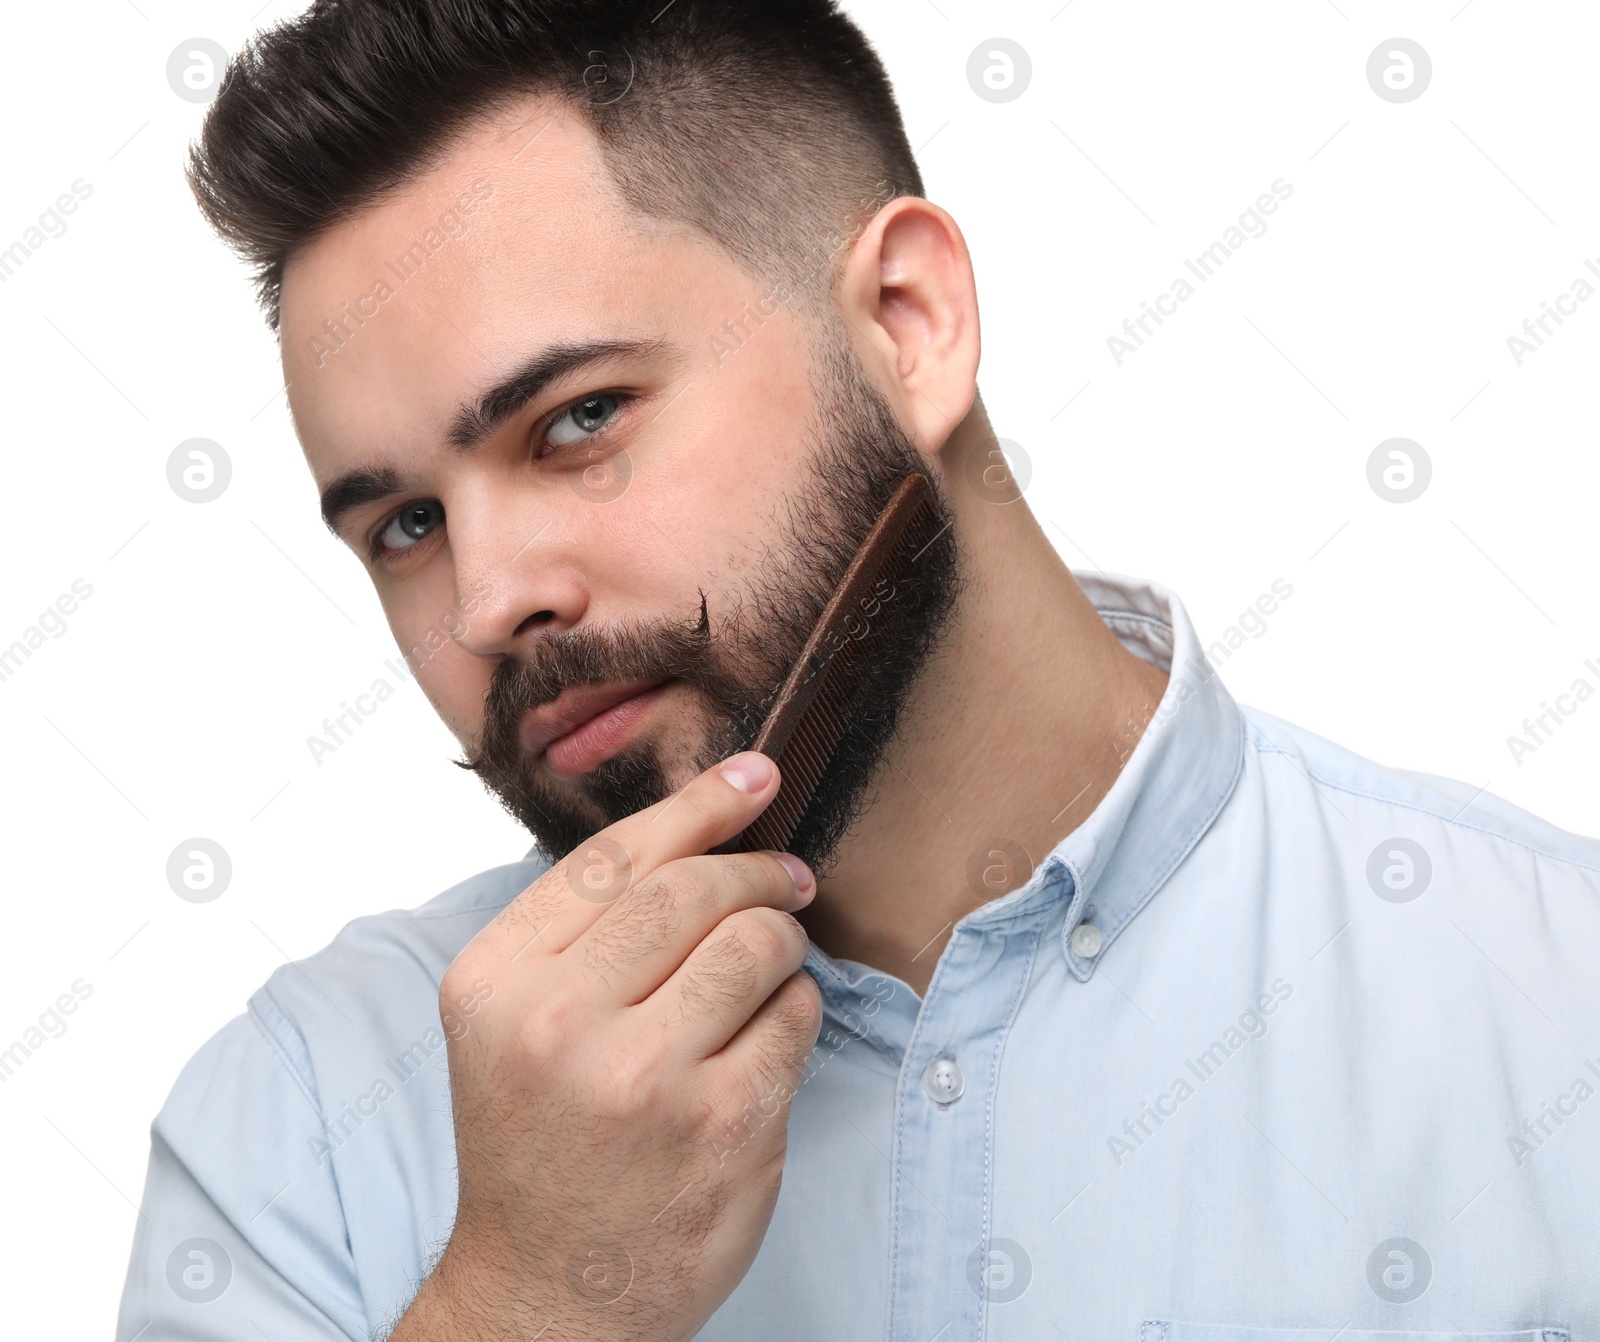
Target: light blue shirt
[(1279, 1044)]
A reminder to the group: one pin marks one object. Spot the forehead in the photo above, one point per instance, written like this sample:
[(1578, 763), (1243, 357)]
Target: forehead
[(515, 238)]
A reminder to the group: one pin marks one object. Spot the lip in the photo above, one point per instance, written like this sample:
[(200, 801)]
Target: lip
[(576, 714)]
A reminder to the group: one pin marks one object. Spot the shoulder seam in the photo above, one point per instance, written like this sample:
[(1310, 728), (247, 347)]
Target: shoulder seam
[(260, 1003), (1266, 746)]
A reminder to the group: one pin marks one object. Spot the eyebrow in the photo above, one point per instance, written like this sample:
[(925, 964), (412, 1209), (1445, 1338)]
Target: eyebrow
[(356, 488), (474, 423)]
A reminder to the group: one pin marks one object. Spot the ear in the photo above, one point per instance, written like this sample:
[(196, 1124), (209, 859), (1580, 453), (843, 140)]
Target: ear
[(908, 295)]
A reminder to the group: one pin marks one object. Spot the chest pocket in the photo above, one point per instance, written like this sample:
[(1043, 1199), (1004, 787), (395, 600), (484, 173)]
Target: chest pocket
[(1174, 1330)]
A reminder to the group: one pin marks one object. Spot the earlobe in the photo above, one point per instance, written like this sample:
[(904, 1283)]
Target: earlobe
[(908, 289)]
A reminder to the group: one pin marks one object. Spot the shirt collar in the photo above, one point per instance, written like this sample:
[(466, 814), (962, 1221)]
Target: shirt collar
[(1172, 786)]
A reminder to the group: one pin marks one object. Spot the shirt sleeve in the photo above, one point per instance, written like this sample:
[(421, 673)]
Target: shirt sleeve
[(241, 1233)]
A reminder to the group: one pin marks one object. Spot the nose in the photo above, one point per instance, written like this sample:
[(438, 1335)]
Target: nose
[(515, 580)]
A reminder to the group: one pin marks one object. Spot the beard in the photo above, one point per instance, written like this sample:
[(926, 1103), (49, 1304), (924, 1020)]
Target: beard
[(736, 663)]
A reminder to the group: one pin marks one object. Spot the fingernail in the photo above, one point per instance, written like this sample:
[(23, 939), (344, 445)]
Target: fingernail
[(749, 771), (799, 873)]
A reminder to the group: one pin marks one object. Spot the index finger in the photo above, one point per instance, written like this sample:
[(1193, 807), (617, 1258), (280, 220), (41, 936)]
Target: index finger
[(566, 900)]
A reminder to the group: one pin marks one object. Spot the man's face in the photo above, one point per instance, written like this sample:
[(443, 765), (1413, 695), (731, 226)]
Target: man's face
[(601, 569)]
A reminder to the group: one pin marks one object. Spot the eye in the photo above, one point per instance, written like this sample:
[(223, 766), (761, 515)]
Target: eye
[(582, 418), (415, 522)]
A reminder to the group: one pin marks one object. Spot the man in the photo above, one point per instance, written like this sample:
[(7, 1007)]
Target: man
[(1087, 1004)]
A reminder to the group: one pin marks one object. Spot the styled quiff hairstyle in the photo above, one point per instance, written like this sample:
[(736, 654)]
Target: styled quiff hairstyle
[(766, 127)]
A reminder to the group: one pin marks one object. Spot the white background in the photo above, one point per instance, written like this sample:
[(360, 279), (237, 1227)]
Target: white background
[(1228, 452)]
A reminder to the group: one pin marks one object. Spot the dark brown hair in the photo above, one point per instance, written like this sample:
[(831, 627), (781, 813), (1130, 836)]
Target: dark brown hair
[(767, 127)]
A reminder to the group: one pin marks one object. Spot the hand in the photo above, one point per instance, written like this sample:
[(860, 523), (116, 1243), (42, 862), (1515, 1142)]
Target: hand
[(621, 1095)]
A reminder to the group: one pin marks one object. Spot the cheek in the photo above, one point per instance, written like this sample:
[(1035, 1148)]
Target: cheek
[(708, 498), (455, 682), (451, 678), (674, 537)]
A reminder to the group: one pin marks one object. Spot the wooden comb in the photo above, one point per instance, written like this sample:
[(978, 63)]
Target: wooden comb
[(807, 720)]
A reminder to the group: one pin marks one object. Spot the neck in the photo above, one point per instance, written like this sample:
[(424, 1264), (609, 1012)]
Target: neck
[(1013, 733)]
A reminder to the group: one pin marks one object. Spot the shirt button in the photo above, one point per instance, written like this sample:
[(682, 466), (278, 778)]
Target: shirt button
[(942, 1080), (1086, 940)]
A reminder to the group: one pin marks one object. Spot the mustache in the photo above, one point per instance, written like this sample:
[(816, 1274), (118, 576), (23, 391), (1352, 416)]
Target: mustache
[(661, 649)]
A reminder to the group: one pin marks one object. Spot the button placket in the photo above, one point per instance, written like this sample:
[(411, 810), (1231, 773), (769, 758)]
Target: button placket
[(942, 1155)]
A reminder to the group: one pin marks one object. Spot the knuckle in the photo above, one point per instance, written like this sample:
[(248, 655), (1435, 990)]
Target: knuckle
[(558, 1014), (762, 933), (798, 935), (722, 975), (784, 939), (701, 885), (743, 875), (629, 1083), (712, 885), (537, 1032), (533, 1036), (801, 990)]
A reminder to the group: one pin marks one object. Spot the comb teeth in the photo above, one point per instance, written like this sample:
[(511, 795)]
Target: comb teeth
[(803, 729)]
